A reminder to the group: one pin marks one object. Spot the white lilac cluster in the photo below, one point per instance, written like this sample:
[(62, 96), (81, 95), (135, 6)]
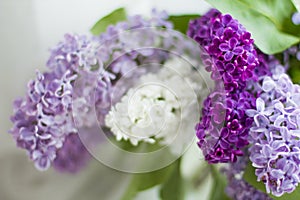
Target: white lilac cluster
[(159, 106)]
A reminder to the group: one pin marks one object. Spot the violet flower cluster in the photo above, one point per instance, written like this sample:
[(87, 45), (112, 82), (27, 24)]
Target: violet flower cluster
[(275, 150), (83, 75), (231, 58), (237, 188)]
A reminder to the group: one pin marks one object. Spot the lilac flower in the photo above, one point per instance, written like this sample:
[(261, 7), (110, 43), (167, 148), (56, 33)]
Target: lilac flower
[(237, 188), (72, 156), (296, 18), (231, 57), (275, 149), (84, 72), (230, 48)]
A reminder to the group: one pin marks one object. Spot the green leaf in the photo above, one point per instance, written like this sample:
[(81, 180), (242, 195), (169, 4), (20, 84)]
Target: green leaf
[(279, 12), (181, 22), (110, 19), (294, 69), (173, 189), (267, 20), (219, 185), (140, 182), (251, 178)]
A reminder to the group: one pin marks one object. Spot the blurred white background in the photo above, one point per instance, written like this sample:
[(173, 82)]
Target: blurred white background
[(28, 28)]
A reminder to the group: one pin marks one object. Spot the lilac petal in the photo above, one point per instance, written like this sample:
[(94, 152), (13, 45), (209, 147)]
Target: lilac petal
[(296, 18), (219, 65), (216, 75), (246, 75), (42, 163), (224, 47), (229, 67), (224, 132), (261, 120), (219, 119), (268, 84), (26, 134), (280, 119), (226, 19), (251, 112), (232, 43), (260, 105), (227, 77), (258, 129), (216, 25), (238, 50), (250, 58), (278, 174), (228, 56), (224, 144), (279, 106)]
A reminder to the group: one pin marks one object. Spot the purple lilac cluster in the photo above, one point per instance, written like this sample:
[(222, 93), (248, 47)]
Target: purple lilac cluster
[(83, 74), (237, 188), (275, 133), (68, 159), (232, 60)]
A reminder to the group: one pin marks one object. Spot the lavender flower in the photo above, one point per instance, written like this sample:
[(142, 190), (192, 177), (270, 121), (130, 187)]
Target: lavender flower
[(83, 74), (73, 156), (296, 18), (232, 59), (237, 188), (275, 149)]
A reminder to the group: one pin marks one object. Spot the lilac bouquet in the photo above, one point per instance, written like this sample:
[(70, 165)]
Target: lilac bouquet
[(135, 93)]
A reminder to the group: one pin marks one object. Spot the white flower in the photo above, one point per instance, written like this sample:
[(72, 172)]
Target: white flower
[(161, 106)]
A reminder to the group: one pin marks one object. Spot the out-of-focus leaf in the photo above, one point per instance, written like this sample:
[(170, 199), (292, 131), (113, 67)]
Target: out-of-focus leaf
[(110, 19), (181, 22), (294, 70), (251, 178), (279, 12), (271, 29), (219, 185), (173, 188), (140, 182)]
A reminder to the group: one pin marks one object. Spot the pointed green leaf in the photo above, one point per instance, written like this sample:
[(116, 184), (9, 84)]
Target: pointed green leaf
[(110, 19)]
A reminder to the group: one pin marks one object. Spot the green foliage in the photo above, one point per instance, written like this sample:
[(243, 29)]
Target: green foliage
[(251, 178), (110, 19), (294, 70), (173, 188), (269, 21), (181, 22), (219, 185), (143, 181)]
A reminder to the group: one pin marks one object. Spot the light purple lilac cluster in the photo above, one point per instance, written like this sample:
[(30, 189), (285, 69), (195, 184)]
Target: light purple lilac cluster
[(86, 73), (275, 133), (232, 60), (237, 188)]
